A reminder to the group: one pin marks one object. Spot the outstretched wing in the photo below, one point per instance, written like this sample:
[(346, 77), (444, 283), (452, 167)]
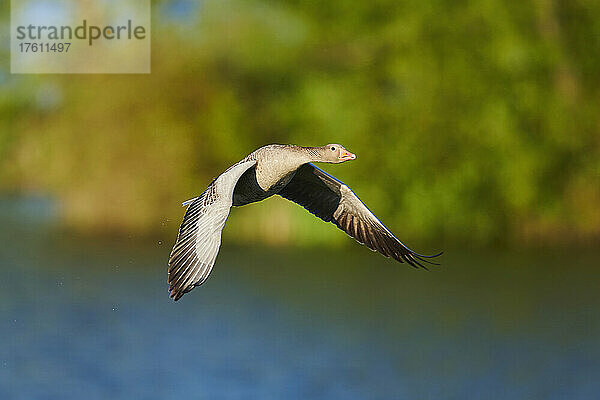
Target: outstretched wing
[(333, 201), (199, 238)]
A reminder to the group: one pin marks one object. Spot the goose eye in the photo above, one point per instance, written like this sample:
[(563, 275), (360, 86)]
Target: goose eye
[(332, 148)]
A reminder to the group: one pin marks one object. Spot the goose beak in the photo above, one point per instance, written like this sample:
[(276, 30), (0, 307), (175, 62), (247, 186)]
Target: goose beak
[(345, 155)]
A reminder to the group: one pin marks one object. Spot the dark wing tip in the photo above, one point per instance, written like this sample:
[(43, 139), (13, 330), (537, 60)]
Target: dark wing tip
[(424, 256), (180, 285), (176, 294), (417, 259), (178, 288), (177, 291)]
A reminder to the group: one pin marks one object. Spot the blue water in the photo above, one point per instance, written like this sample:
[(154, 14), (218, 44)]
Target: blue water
[(86, 317)]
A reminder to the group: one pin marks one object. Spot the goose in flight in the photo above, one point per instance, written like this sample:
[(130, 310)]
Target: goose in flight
[(288, 171)]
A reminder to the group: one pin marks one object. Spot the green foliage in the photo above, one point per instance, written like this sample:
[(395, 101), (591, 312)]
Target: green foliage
[(472, 121)]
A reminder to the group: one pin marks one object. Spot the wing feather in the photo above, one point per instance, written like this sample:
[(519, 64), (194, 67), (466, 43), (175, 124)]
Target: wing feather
[(199, 239), (333, 201)]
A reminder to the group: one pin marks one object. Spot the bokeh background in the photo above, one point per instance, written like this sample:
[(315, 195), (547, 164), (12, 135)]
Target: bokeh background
[(477, 130)]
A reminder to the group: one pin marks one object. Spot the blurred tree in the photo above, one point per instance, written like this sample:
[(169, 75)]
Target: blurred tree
[(472, 121)]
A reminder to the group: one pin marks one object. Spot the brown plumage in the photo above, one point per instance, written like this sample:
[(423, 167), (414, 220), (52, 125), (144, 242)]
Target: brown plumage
[(288, 171)]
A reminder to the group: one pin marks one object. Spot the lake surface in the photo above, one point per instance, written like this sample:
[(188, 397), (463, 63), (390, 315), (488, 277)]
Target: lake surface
[(91, 318)]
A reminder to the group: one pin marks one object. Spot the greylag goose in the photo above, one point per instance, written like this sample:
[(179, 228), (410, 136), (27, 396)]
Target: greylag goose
[(288, 171)]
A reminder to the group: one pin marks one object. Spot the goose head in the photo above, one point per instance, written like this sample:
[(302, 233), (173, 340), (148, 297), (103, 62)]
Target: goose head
[(334, 153)]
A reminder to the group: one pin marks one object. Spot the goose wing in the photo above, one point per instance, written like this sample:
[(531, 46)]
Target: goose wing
[(333, 201), (199, 238)]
